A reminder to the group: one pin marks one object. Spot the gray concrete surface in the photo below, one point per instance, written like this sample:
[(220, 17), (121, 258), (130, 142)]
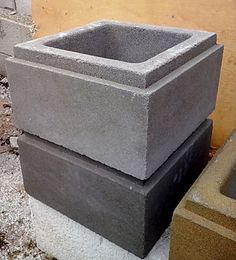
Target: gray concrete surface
[(131, 54), (131, 213), (2, 64), (130, 129), (7, 4), (21, 6), (66, 239), (24, 6), (13, 29)]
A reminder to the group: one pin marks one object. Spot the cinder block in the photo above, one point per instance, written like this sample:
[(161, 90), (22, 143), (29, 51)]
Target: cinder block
[(64, 238), (204, 223), (122, 94), (7, 4), (24, 6), (129, 212), (13, 29), (2, 64)]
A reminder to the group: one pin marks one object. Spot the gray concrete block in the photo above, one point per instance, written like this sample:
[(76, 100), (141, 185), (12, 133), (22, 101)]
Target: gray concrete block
[(24, 7), (7, 4), (2, 64), (129, 212), (64, 238), (13, 29), (130, 54), (127, 127)]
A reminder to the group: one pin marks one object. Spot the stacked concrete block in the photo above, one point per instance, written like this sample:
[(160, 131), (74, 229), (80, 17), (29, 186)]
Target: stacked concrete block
[(204, 223), (14, 28), (127, 211), (115, 120)]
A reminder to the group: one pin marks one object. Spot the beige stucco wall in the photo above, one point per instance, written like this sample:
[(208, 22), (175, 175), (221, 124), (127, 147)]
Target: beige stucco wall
[(212, 15)]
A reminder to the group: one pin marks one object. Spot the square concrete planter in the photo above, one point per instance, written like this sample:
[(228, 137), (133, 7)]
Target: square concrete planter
[(129, 212), (204, 223), (125, 95)]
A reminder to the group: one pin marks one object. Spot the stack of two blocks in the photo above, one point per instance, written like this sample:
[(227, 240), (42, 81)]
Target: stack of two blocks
[(115, 121)]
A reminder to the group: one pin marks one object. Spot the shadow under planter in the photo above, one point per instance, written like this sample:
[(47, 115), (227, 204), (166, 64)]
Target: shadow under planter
[(116, 92), (204, 223), (129, 212)]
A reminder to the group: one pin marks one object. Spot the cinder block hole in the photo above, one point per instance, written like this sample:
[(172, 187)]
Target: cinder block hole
[(117, 42)]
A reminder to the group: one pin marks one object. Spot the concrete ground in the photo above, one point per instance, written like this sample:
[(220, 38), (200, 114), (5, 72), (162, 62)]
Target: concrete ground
[(16, 236)]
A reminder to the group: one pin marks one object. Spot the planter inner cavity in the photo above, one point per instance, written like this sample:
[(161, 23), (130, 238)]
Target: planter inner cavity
[(229, 187), (124, 43)]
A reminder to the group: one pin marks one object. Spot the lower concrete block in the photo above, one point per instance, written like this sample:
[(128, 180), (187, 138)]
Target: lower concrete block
[(204, 223), (129, 212), (2, 64), (64, 238)]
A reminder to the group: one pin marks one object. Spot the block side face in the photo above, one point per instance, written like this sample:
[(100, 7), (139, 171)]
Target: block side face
[(110, 209), (24, 6), (176, 177), (196, 86), (13, 31), (2, 64), (104, 123)]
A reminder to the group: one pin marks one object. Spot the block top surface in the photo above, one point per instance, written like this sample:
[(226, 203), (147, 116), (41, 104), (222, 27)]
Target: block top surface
[(131, 54)]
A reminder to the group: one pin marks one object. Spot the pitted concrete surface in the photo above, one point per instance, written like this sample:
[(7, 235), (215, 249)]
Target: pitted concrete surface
[(136, 55), (130, 129)]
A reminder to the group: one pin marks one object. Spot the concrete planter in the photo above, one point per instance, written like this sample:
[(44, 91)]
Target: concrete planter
[(125, 95), (129, 212), (204, 223)]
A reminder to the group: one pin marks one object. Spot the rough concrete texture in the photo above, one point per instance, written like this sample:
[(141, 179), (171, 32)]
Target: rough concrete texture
[(24, 7), (204, 223), (130, 129), (131, 213), (7, 4), (131, 54), (21, 6), (13, 29), (2, 64), (60, 236)]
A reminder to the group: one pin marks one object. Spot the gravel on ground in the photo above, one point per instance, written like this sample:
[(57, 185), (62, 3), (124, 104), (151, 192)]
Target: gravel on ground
[(17, 239)]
